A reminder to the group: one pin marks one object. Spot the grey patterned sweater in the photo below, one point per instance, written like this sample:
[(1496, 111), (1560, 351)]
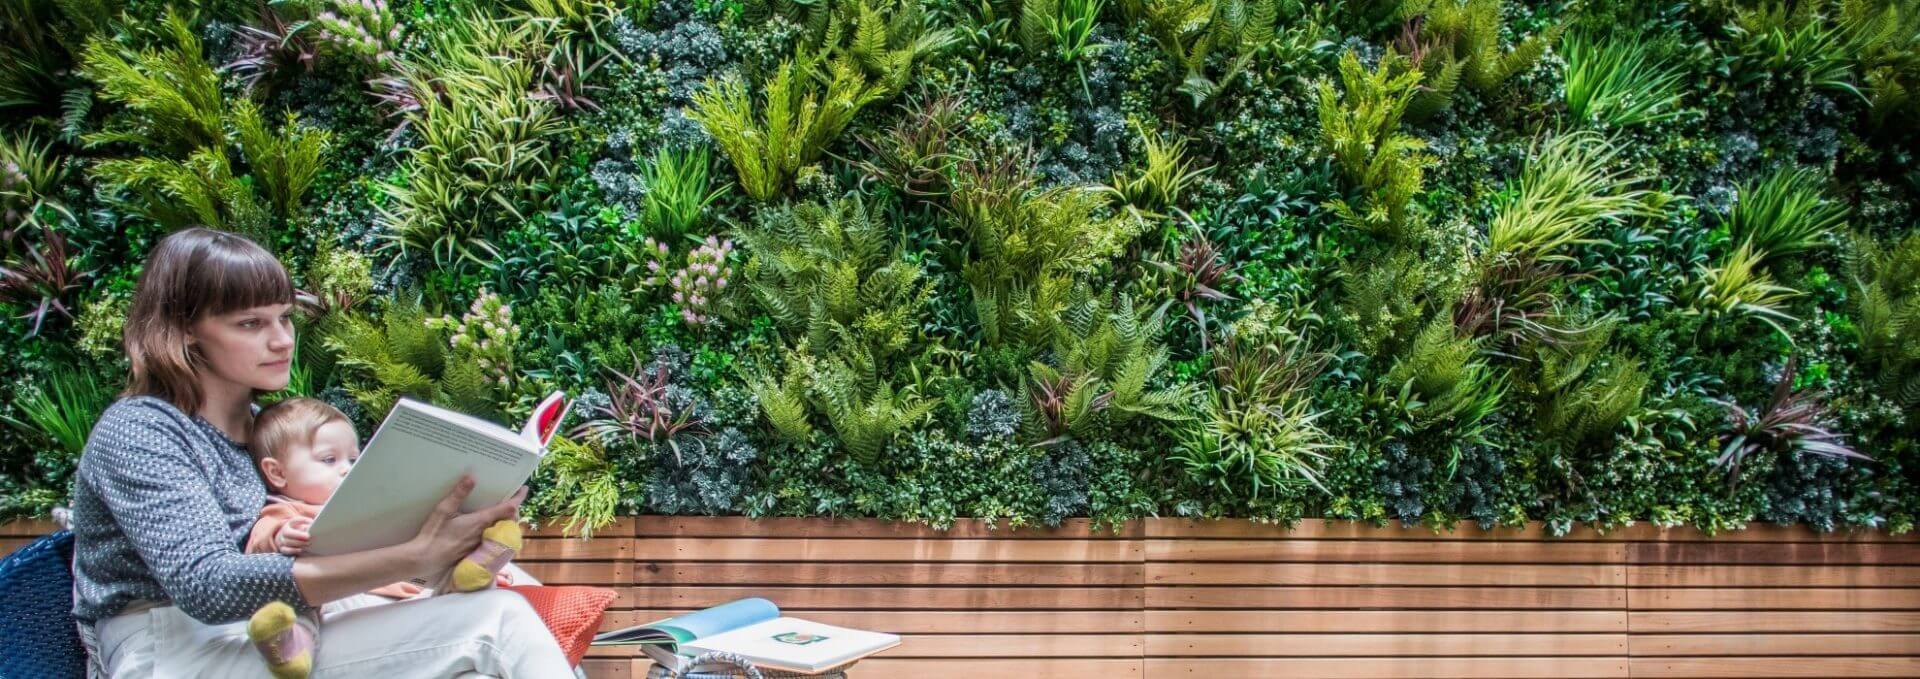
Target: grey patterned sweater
[(162, 503)]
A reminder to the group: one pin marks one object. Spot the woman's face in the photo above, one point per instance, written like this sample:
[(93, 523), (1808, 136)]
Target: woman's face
[(251, 348)]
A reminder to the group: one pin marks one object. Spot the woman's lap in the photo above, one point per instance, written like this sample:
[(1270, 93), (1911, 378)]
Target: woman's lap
[(485, 633)]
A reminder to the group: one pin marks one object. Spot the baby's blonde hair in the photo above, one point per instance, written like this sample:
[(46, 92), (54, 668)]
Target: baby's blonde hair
[(288, 423)]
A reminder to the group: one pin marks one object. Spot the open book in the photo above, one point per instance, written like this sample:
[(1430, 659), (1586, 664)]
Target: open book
[(753, 629), (414, 459)]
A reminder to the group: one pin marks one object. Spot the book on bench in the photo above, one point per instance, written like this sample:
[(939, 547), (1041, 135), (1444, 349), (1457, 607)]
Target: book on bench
[(414, 459), (753, 629)]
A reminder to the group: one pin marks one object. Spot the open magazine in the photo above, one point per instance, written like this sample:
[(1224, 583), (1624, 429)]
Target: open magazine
[(753, 629), (414, 458)]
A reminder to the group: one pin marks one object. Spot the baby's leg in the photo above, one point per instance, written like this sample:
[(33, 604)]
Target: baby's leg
[(285, 639), (498, 543)]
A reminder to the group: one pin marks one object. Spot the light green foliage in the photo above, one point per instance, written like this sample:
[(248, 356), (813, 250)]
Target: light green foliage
[(1255, 432), (284, 164), (405, 355), (1885, 36), (678, 191), (1620, 82), (171, 95), (102, 324), (1101, 369), (30, 173), (1458, 41), (1062, 29), (1025, 247), (175, 115), (484, 154), (1737, 288), (1568, 188), (1382, 166), (1886, 280), (836, 285), (1791, 45), (1785, 214), (1164, 175), (1382, 301), (793, 125), (832, 274), (887, 38), (573, 20), (61, 408), (1584, 393), (1442, 380), (1192, 32), (586, 487)]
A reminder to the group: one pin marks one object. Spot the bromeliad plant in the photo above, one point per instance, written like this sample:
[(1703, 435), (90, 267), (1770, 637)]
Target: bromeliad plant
[(42, 278), (1200, 271), (1063, 29), (1793, 422), (646, 405)]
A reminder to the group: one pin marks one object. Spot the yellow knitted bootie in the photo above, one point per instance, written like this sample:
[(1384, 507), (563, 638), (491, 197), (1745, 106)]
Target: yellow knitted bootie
[(498, 543), (285, 640)]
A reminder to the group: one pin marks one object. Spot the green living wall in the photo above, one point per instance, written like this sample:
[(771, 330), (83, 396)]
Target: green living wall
[(1419, 260)]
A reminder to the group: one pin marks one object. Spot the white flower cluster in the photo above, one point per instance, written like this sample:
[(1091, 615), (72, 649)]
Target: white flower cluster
[(486, 334), (698, 285), (363, 28)]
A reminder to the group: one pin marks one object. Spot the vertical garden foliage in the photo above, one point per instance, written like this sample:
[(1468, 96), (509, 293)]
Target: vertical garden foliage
[(1022, 260)]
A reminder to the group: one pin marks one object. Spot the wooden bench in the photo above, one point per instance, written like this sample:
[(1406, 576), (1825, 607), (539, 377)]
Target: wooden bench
[(1176, 598)]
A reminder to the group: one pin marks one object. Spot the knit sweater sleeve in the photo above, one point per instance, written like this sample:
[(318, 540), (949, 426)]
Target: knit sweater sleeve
[(152, 479)]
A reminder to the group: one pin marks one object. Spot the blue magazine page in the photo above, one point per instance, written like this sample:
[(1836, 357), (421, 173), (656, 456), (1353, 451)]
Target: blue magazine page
[(703, 623)]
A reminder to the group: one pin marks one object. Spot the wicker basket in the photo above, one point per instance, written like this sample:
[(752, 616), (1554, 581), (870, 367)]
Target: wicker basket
[(747, 670)]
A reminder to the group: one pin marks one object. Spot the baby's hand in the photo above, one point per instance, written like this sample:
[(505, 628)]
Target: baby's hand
[(410, 589), (292, 536)]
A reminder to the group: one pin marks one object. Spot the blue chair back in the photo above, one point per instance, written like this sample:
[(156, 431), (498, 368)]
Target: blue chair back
[(36, 612)]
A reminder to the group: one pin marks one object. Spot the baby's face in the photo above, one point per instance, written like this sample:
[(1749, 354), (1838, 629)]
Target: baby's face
[(310, 474)]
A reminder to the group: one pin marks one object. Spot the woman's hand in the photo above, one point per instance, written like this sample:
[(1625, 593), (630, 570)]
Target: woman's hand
[(449, 535)]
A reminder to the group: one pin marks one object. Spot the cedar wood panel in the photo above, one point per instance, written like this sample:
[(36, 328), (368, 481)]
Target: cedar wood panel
[(1180, 598)]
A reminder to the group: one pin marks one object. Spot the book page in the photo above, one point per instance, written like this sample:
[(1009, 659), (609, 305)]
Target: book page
[(413, 460)]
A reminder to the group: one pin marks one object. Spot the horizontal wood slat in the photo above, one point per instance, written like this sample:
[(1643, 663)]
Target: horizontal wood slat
[(881, 549), (1369, 668), (1182, 598), (1449, 644)]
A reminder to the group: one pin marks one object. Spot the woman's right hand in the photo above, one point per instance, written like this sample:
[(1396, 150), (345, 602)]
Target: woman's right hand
[(449, 535)]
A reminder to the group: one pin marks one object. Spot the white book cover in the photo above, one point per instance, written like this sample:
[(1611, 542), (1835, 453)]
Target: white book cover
[(414, 459), (794, 645)]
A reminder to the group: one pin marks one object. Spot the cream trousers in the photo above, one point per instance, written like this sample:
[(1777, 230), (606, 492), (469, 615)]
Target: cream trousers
[(491, 633)]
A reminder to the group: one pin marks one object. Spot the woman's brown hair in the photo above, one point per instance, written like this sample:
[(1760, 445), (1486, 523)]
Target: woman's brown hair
[(192, 274)]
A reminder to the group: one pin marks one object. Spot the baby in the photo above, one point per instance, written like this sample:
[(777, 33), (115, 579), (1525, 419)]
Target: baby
[(304, 448)]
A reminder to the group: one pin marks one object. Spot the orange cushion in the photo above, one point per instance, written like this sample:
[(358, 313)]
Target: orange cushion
[(572, 613)]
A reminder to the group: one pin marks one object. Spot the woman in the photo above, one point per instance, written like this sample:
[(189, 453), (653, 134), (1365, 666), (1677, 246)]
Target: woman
[(165, 494)]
